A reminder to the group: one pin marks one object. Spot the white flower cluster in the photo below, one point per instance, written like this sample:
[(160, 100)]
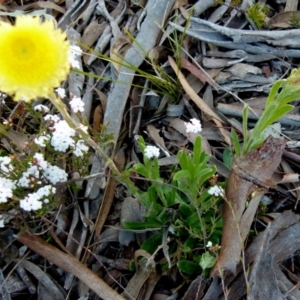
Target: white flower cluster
[(80, 147), (6, 191), (5, 165), (75, 52), (194, 126), (41, 140), (42, 108), (151, 151), (39, 171), (42, 170), (34, 201), (62, 137), (77, 104), (216, 191)]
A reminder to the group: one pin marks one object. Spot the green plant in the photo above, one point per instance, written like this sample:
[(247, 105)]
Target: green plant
[(180, 205), (294, 20), (282, 93), (256, 14)]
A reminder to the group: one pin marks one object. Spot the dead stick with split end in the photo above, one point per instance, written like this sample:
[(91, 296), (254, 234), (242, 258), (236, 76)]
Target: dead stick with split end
[(69, 264)]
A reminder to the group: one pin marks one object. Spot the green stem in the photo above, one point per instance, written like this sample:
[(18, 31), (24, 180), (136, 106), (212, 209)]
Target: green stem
[(84, 135)]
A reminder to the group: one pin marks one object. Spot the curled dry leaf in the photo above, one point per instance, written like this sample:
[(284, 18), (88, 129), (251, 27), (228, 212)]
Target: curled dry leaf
[(118, 50), (251, 175), (283, 19)]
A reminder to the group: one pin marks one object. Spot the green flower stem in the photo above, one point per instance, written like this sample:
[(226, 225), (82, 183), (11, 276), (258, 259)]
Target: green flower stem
[(84, 135)]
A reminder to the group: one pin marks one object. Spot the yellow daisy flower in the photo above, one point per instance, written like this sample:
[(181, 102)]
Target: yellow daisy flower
[(33, 58)]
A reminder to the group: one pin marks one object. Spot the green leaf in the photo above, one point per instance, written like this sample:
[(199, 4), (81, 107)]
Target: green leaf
[(280, 112), (185, 174), (185, 161), (227, 158), (236, 143), (189, 244), (205, 174), (207, 260), (185, 210), (245, 123), (141, 169), (189, 267), (151, 244), (273, 92), (142, 225), (197, 150)]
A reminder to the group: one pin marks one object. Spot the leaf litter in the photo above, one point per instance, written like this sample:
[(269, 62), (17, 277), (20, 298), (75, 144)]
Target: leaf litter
[(220, 50)]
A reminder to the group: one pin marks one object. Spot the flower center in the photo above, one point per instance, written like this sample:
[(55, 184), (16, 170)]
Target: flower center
[(25, 49)]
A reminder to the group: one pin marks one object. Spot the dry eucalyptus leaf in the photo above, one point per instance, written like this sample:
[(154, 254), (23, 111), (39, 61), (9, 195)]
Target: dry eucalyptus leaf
[(154, 133), (118, 50), (283, 19), (203, 76), (159, 54), (250, 173)]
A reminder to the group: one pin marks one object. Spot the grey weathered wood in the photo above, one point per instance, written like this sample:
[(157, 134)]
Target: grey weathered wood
[(157, 12)]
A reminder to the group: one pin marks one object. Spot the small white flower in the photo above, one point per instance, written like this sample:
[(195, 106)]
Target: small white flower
[(54, 118), (209, 244), (62, 136), (45, 191), (23, 98), (42, 108), (6, 191), (194, 126), (75, 53), (5, 165), (75, 50), (54, 174), (61, 92), (151, 151), (40, 161), (80, 147), (74, 63), (3, 96), (41, 140), (77, 104), (84, 128), (31, 202), (216, 191)]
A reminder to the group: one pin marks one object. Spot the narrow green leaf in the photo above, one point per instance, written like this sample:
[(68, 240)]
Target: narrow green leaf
[(245, 124), (236, 143), (142, 225), (273, 92), (141, 169), (185, 174), (227, 158), (197, 150)]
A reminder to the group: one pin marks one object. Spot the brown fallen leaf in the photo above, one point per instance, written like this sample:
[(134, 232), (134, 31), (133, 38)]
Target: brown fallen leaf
[(154, 133), (198, 73), (283, 19), (251, 173), (69, 264), (199, 102), (118, 50)]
